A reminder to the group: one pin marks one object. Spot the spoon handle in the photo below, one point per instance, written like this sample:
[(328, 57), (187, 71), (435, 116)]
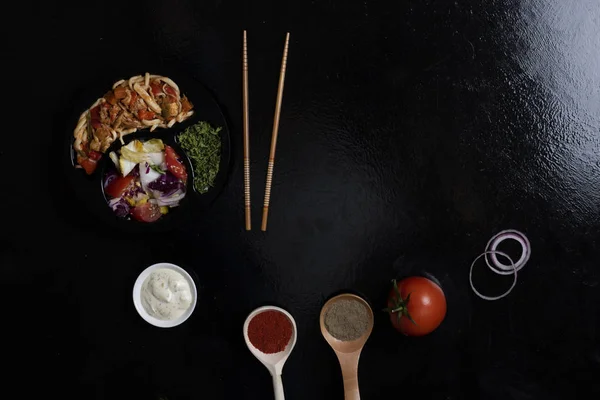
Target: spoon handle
[(278, 387), (349, 364)]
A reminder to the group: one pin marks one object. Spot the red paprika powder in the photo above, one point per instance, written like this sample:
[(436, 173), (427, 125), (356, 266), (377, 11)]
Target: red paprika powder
[(270, 331)]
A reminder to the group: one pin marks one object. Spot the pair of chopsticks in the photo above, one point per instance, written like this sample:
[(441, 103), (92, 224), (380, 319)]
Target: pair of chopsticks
[(265, 213)]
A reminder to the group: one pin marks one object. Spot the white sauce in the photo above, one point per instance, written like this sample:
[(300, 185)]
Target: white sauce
[(166, 294)]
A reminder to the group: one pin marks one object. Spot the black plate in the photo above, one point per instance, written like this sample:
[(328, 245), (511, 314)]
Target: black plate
[(89, 188)]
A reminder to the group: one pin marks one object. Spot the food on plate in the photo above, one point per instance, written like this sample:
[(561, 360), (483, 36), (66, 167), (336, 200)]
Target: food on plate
[(166, 294), (270, 331), (149, 101), (148, 178), (202, 144), (417, 306)]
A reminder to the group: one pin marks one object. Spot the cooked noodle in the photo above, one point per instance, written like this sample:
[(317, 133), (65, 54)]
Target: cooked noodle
[(149, 100), (118, 83), (123, 111), (151, 122), (81, 123), (133, 80)]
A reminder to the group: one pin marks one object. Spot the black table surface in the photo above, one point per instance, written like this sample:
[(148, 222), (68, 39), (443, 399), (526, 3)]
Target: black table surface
[(411, 132)]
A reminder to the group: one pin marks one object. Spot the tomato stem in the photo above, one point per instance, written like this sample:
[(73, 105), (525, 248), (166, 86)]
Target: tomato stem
[(399, 305)]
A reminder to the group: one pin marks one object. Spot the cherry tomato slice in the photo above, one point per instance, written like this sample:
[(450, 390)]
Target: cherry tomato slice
[(173, 164), (118, 186), (147, 212), (88, 164)]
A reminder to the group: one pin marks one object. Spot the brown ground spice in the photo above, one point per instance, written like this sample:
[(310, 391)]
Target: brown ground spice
[(347, 319)]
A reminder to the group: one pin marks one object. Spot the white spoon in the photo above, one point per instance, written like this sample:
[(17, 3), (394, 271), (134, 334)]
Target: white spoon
[(273, 362)]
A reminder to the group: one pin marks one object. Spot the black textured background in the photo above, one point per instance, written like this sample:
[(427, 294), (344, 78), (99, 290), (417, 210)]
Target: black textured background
[(411, 132)]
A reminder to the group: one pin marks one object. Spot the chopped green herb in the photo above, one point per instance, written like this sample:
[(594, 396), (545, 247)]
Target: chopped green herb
[(157, 169), (202, 143)]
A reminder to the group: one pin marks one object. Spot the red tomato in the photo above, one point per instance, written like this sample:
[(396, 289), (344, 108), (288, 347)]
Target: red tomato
[(147, 212), (88, 164), (173, 164), (95, 117), (170, 91), (94, 155), (95, 112), (134, 97), (156, 88), (146, 114), (117, 187), (417, 306)]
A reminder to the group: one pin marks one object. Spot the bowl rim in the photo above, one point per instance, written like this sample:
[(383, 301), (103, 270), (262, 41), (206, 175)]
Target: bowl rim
[(137, 301)]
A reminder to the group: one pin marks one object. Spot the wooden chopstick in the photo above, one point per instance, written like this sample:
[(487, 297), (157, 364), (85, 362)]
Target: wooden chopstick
[(246, 137), (265, 214)]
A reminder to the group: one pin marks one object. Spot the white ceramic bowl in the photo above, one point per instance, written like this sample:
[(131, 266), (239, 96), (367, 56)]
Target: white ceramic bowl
[(137, 296)]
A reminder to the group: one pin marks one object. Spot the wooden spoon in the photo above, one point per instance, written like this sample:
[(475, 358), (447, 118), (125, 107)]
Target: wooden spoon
[(348, 352)]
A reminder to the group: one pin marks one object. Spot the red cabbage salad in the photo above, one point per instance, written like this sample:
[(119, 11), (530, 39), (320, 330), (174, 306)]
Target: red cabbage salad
[(147, 180)]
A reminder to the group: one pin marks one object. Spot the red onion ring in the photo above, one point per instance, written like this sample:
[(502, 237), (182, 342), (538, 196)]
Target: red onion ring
[(495, 264), (494, 252)]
